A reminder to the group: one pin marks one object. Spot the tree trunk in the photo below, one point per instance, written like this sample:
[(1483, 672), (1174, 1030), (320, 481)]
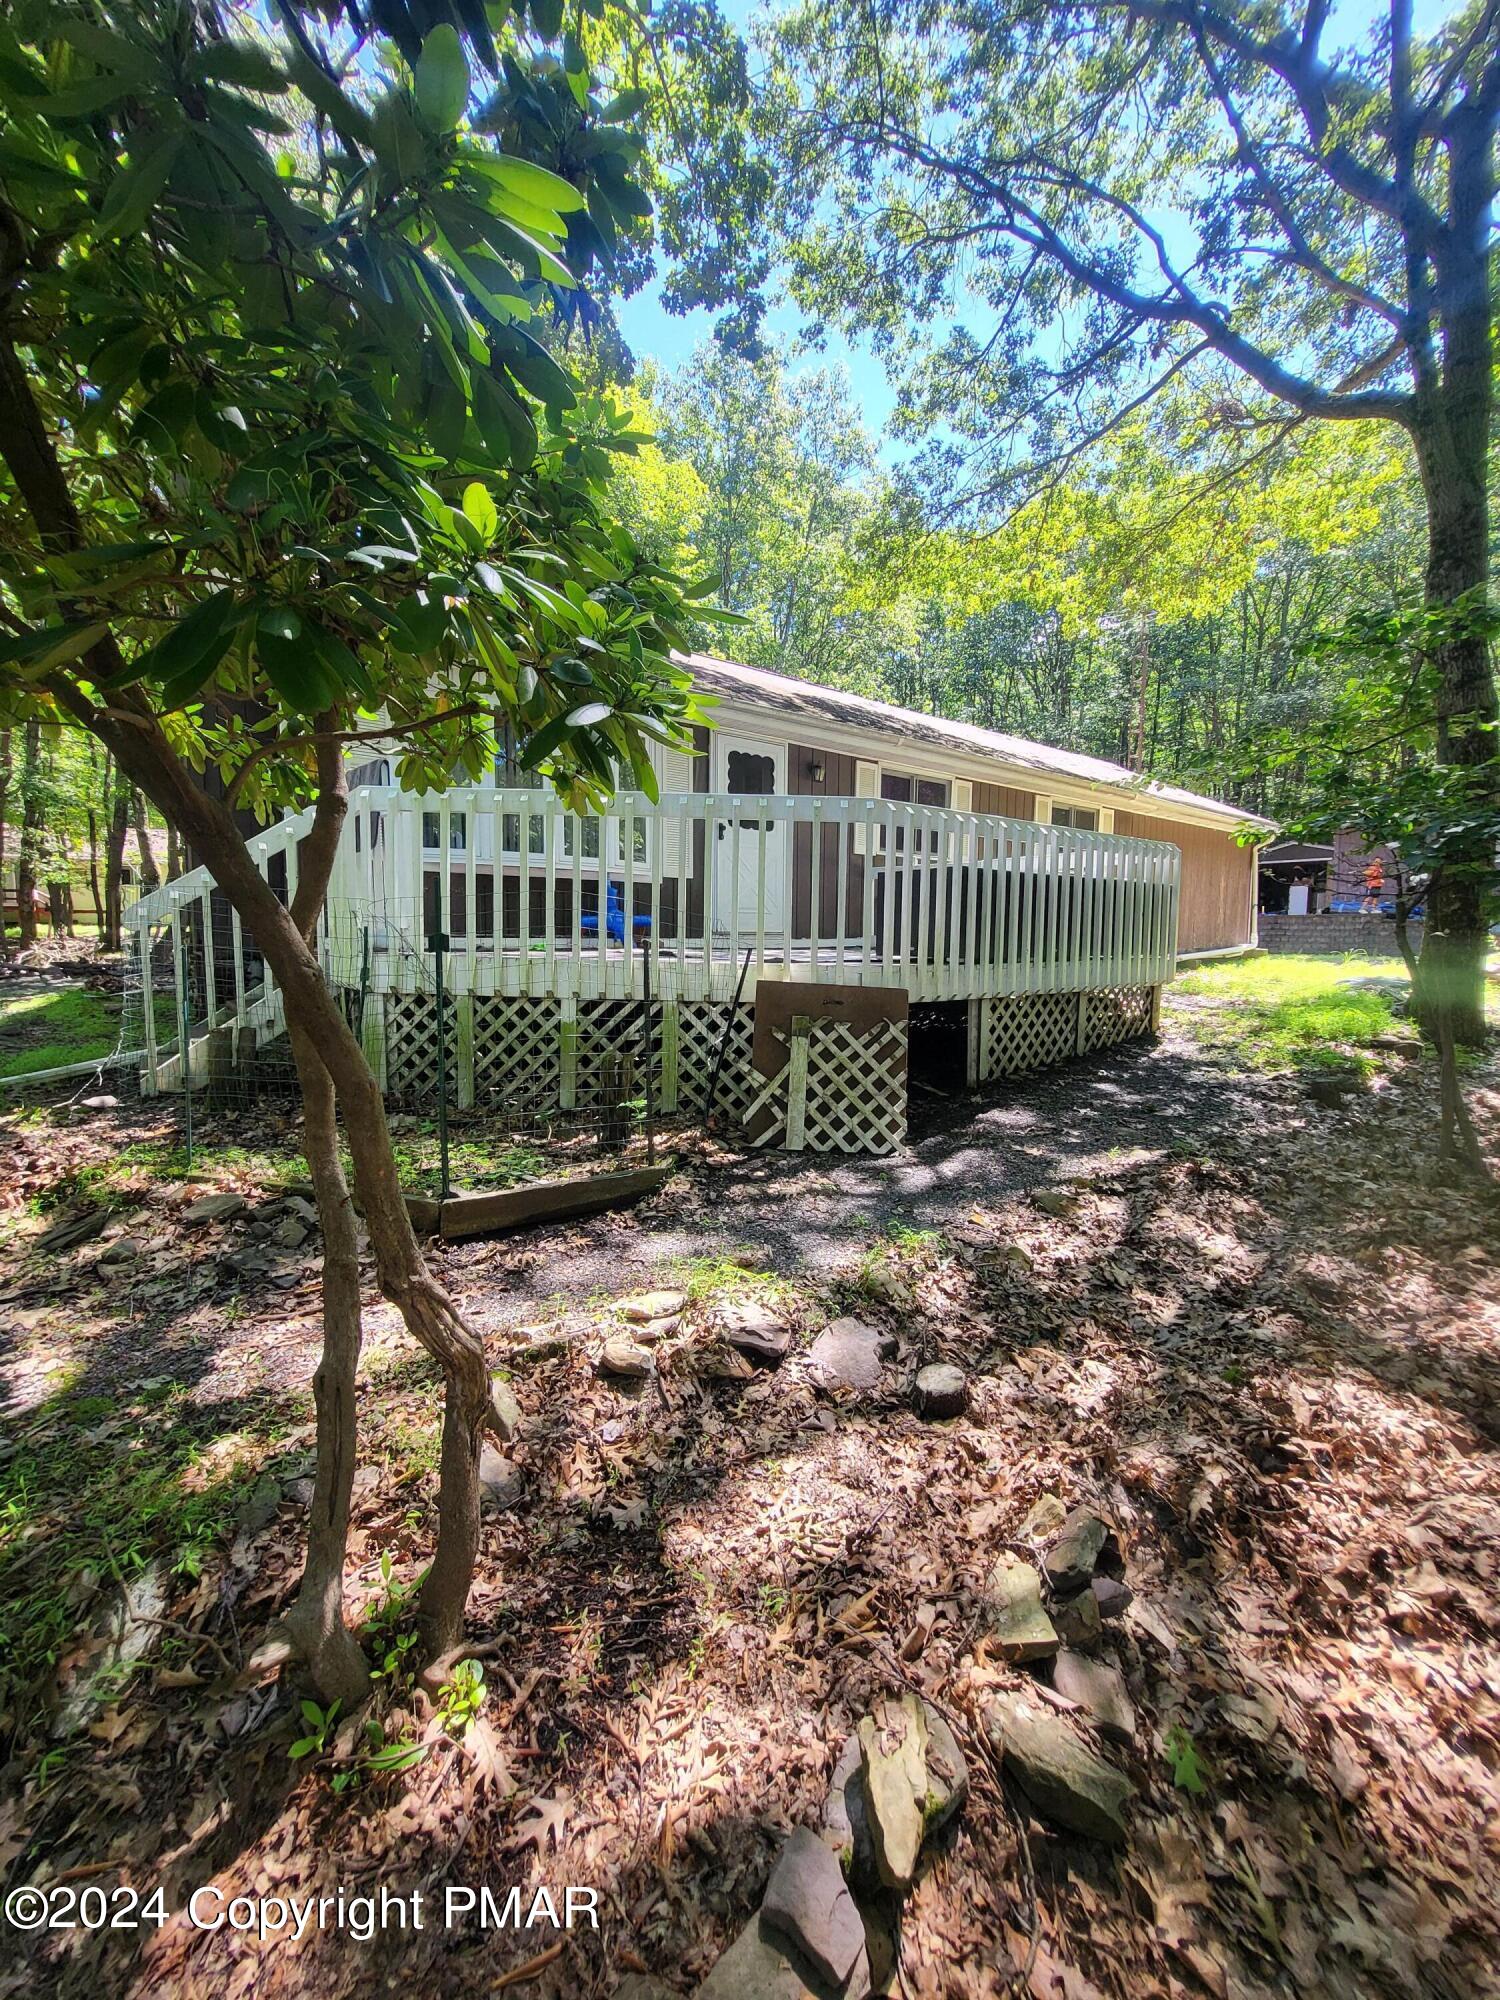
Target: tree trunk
[(315, 1624), (118, 794), (1452, 437), (174, 854), (93, 819), (150, 873), (31, 830), (5, 776)]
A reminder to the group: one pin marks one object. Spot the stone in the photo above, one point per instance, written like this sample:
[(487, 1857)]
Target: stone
[(1112, 1597), (722, 1364), (642, 1986), (1063, 1779), (808, 1904), (104, 1102), (215, 1208), (653, 1305), (947, 1773), (1045, 1519), (1070, 1561), (72, 1230), (652, 1330), (1099, 1689), (1334, 1089), (124, 1250), (623, 1356), (502, 1484), (754, 1331), (1020, 1627), (848, 1354), (1078, 1621), (1054, 1201), (505, 1411), (940, 1390), (755, 1967), (291, 1233), (299, 1205), (893, 1762)]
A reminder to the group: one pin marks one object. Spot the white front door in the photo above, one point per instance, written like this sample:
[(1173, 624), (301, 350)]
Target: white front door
[(749, 769)]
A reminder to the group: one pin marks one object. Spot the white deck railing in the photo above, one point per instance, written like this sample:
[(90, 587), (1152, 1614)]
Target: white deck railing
[(533, 900)]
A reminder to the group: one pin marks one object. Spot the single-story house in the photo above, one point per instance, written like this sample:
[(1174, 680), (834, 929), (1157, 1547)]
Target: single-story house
[(820, 873)]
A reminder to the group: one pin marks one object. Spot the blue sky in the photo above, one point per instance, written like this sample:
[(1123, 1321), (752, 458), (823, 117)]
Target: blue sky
[(670, 338)]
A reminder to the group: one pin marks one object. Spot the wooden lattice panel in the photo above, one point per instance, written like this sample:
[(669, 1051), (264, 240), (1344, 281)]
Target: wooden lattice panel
[(700, 1031), (856, 1088), (1027, 1031), (411, 1045), (616, 1028), (517, 1052), (853, 1097), (1116, 1014)]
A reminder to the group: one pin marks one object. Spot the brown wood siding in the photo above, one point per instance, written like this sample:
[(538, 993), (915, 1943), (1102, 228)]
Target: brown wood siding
[(837, 782), (1217, 877), (1003, 799)]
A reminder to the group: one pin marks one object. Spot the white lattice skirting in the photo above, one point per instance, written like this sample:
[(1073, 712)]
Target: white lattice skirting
[(1028, 1031), (837, 1089)]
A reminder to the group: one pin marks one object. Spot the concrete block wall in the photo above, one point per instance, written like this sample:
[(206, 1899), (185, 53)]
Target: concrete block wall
[(1376, 935)]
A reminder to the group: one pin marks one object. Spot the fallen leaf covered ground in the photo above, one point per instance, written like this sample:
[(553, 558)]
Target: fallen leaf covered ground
[(1267, 1355)]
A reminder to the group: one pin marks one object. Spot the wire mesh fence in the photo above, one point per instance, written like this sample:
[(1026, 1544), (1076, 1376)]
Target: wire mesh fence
[(484, 1089)]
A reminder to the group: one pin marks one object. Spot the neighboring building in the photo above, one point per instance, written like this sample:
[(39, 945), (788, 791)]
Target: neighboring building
[(819, 867)]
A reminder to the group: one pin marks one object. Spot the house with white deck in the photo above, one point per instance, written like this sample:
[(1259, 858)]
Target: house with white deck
[(826, 885)]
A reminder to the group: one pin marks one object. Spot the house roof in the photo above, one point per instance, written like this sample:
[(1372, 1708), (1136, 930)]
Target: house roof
[(760, 687)]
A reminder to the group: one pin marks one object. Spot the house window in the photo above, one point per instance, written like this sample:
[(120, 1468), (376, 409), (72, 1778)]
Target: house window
[(912, 790), (750, 772), (484, 907), (458, 834), (1083, 817)]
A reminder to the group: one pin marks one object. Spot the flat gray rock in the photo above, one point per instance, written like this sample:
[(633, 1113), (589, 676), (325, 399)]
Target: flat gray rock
[(1078, 1621), (1044, 1519), (1112, 1597), (1070, 1560), (848, 1354), (124, 1250), (947, 1773), (642, 1986), (755, 1967), (1021, 1628), (646, 1306), (807, 1904), (72, 1229), (502, 1484), (505, 1410), (215, 1208), (893, 1755), (625, 1357), (941, 1390), (753, 1330), (1099, 1689), (1064, 1779)]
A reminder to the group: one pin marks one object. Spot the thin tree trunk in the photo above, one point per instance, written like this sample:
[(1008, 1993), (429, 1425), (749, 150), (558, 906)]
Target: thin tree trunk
[(31, 830), (150, 873), (5, 777), (118, 794), (174, 854), (93, 819)]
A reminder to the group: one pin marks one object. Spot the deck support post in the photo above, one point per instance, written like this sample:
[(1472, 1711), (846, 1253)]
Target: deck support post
[(463, 1021), (1080, 1043), (567, 1052), (796, 1084), (372, 1036), (669, 1032), (1156, 993), (974, 1053)]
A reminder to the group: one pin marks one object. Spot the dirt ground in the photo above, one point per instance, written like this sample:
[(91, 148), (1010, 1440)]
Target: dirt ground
[(1259, 1336)]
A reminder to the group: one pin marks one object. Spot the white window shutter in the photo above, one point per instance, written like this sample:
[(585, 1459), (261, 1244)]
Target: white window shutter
[(674, 773), (963, 795), (866, 786)]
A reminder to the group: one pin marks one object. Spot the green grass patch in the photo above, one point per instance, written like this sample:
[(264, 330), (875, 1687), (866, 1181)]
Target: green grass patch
[(97, 1489), (1291, 1013), (41, 1031)]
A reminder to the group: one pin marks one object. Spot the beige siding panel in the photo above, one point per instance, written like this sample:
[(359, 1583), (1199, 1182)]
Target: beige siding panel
[(1217, 875)]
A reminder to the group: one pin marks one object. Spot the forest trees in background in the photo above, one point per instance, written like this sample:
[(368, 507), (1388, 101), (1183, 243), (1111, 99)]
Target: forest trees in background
[(1149, 611)]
